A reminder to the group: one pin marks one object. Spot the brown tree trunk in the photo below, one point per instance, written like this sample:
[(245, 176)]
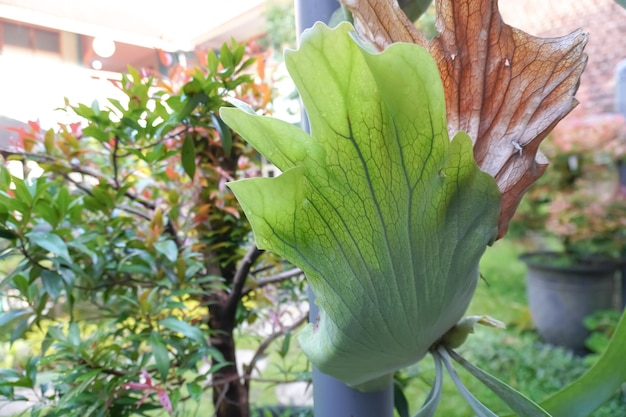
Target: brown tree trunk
[(230, 394)]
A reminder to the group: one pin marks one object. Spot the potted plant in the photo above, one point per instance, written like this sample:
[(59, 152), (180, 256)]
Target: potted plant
[(580, 207)]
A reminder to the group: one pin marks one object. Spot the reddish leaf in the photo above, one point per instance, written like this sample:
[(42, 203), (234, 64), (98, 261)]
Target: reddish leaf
[(383, 22), (506, 89), (138, 385), (503, 87), (146, 376), (26, 138), (164, 399), (231, 210), (34, 125)]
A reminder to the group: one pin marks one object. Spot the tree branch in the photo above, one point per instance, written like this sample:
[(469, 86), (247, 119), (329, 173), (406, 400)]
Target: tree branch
[(273, 279), (265, 344), (88, 191), (27, 255), (181, 130), (240, 278), (116, 145)]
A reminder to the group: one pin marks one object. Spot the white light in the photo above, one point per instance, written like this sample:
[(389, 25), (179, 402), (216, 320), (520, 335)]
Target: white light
[(103, 47), (35, 171), (96, 64), (16, 169)]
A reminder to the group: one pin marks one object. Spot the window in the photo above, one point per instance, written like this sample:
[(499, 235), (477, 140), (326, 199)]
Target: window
[(36, 39)]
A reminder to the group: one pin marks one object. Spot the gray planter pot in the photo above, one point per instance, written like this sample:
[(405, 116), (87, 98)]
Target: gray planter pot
[(560, 297)]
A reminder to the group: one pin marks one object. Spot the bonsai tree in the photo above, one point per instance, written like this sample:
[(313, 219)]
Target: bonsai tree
[(131, 257)]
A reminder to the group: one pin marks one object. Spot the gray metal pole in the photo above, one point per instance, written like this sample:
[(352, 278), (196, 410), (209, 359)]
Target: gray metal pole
[(620, 104), (333, 398)]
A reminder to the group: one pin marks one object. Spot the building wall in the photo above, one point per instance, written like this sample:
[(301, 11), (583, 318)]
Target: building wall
[(604, 20), (70, 47)]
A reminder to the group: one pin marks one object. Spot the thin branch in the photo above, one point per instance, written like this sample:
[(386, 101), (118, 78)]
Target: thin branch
[(222, 396), (240, 278), (172, 134), (135, 211), (116, 145), (78, 184), (265, 344), (273, 279), (262, 269), (28, 256)]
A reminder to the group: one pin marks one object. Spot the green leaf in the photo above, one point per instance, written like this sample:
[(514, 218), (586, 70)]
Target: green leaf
[(22, 191), (23, 382), (44, 209), (134, 74), (168, 249), (479, 408), (225, 136), (21, 283), (195, 391), (521, 405), (81, 247), (161, 355), (340, 15), (597, 385), (190, 104), (95, 107), (131, 122), (432, 400), (20, 330), (50, 242), (414, 8), (9, 316), (226, 57), (73, 334), (31, 369), (188, 156), (7, 234), (85, 380), (97, 133), (9, 377), (117, 104), (284, 349), (400, 402), (5, 178), (212, 62), (248, 62), (238, 51), (185, 328), (387, 217), (52, 282)]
